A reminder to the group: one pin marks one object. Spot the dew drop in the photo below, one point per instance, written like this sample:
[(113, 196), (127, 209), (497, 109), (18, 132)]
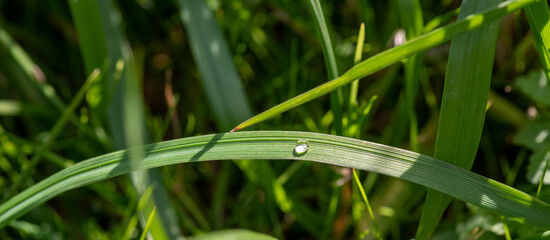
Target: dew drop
[(301, 147)]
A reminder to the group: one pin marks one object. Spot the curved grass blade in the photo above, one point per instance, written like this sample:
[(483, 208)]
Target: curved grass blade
[(430, 172), (463, 105), (392, 56)]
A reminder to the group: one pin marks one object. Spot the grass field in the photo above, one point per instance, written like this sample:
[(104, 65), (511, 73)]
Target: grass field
[(279, 119)]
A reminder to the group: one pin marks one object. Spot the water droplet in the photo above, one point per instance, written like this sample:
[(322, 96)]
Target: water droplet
[(301, 147)]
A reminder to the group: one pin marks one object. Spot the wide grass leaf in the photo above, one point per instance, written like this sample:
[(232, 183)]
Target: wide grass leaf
[(430, 172), (463, 105)]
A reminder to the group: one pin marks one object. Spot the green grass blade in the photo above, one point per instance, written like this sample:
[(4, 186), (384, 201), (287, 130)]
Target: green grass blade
[(195, 211), (436, 22), (54, 133), (324, 36), (120, 92), (126, 111), (392, 56), (336, 103), (539, 20), (133, 220), (34, 79), (463, 105), (369, 208), (227, 100), (91, 36), (336, 98), (234, 234), (220, 193), (148, 224), (411, 19), (356, 59), (31, 70), (219, 77), (329, 149), (353, 129)]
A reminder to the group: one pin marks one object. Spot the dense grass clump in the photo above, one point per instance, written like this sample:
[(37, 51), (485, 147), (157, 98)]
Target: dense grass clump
[(208, 119)]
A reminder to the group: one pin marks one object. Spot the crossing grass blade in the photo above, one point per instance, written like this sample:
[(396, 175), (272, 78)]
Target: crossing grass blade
[(336, 104), (411, 20), (539, 20), (33, 81), (133, 218), (424, 170), (32, 72), (218, 74), (392, 56), (121, 94), (436, 22), (369, 208), (228, 101), (336, 98), (148, 224), (463, 105)]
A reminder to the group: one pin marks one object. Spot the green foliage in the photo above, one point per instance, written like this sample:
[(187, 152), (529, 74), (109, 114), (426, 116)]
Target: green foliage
[(188, 68), (389, 57), (535, 85), (535, 136)]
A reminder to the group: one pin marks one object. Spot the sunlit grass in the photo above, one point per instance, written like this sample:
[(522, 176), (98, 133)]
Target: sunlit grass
[(417, 81)]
